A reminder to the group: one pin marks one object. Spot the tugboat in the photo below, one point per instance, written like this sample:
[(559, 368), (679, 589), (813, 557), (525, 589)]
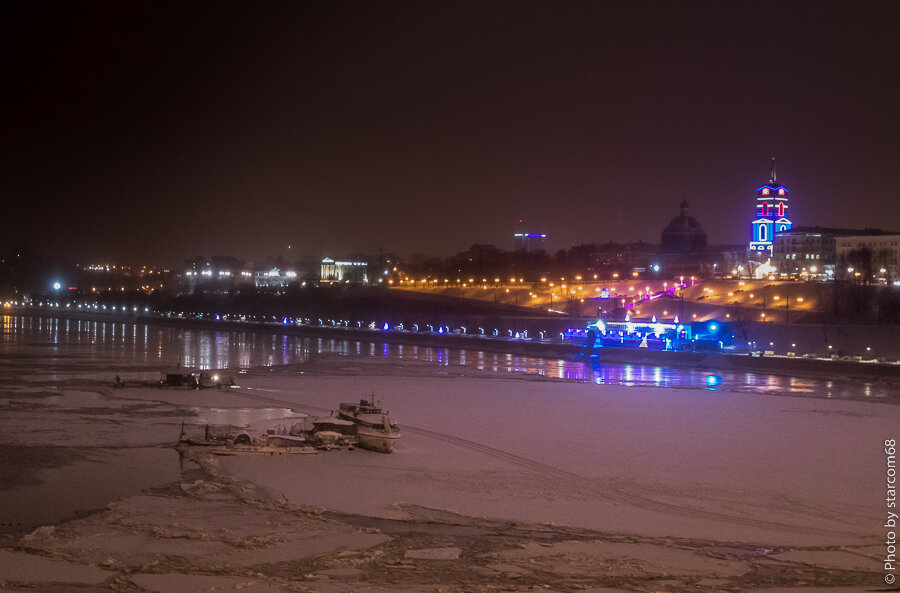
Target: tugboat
[(374, 428)]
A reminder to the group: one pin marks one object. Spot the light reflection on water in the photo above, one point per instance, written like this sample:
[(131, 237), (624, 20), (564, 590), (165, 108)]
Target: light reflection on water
[(56, 343)]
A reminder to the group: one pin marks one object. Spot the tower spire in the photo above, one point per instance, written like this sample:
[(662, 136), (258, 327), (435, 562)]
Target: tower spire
[(772, 177)]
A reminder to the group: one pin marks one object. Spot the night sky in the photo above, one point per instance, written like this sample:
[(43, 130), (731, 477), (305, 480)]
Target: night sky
[(152, 131)]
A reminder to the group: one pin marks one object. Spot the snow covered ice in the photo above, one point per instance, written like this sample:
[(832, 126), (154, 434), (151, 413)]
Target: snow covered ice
[(503, 480)]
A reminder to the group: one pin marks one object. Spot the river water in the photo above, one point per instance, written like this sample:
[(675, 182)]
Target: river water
[(62, 441), (57, 348)]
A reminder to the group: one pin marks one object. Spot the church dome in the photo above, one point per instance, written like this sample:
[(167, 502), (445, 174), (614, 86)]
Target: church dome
[(683, 234)]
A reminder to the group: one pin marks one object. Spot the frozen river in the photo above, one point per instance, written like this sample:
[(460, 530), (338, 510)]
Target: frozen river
[(556, 474), (58, 348)]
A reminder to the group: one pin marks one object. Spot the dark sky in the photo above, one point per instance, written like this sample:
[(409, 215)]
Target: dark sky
[(153, 131)]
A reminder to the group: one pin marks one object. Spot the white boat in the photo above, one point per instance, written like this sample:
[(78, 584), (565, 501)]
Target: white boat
[(374, 428), (332, 433)]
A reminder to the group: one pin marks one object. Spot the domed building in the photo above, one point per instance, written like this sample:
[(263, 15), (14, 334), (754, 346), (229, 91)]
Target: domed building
[(683, 234)]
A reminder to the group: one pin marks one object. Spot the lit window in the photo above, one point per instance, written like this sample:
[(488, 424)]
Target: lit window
[(765, 191), (781, 191)]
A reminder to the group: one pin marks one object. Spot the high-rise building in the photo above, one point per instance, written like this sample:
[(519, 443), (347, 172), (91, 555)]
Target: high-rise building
[(771, 215), (530, 242), (526, 241)]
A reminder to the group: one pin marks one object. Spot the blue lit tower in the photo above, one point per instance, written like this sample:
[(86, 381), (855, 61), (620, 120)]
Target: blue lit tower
[(771, 214)]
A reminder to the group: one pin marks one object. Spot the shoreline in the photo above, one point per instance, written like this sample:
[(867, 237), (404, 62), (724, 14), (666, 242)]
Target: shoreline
[(774, 364)]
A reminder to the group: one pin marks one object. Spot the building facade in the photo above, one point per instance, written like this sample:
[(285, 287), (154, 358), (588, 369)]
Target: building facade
[(530, 242), (354, 272), (804, 252), (868, 257), (823, 253), (274, 279)]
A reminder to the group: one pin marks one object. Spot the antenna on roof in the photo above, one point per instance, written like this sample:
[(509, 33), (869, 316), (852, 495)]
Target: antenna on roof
[(772, 177)]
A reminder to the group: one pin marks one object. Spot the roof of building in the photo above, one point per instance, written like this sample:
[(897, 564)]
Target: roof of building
[(683, 233)]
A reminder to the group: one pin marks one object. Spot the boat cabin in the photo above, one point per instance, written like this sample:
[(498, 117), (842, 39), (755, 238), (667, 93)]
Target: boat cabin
[(330, 423)]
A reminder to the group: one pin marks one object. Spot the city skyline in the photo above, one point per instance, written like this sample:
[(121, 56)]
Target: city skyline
[(159, 132)]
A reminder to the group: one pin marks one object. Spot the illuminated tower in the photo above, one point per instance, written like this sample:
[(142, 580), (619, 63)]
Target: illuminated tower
[(771, 214)]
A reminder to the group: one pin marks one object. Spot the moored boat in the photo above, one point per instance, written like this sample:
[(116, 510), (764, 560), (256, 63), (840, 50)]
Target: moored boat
[(375, 429), (332, 433)]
